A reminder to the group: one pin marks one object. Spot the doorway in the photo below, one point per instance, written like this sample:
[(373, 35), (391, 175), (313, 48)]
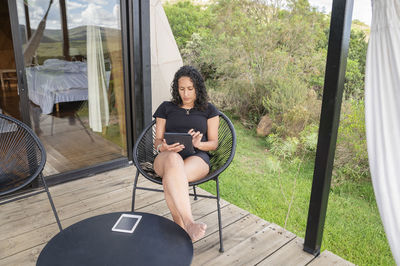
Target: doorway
[(73, 89)]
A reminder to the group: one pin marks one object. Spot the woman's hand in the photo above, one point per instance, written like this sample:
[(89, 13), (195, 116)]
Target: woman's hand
[(176, 147), (196, 138)]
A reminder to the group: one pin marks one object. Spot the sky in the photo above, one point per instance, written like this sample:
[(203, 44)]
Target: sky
[(106, 12), (79, 12), (361, 9)]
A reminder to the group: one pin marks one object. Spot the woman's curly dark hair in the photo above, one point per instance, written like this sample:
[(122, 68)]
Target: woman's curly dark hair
[(201, 101)]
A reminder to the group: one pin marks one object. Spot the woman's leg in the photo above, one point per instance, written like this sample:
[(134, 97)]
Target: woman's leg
[(195, 169), (176, 174), (170, 166)]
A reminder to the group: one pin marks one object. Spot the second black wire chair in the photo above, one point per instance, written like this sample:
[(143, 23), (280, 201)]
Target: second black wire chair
[(22, 159)]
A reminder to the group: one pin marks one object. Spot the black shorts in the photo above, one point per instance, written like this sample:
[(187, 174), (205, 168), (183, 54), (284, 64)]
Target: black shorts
[(202, 154)]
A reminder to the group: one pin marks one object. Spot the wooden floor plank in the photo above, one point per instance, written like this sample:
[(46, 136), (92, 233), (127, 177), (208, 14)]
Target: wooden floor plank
[(28, 224), (229, 214), (67, 198), (233, 234), (72, 148), (328, 258), (21, 242), (25, 258), (290, 254), (256, 248), (123, 174), (44, 215)]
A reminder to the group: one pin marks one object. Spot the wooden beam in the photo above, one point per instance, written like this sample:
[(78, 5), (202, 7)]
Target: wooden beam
[(64, 27), (27, 21), (339, 38)]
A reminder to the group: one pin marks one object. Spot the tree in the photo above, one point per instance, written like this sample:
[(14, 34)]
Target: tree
[(185, 18), (355, 70)]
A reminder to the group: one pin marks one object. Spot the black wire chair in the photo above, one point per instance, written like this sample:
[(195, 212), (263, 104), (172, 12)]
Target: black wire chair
[(144, 154), (22, 159)]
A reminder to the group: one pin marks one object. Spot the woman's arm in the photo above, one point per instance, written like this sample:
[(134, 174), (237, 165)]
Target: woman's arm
[(159, 141), (160, 130), (212, 136)]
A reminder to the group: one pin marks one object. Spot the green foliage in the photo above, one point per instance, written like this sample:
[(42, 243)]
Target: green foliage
[(263, 57), (262, 183), (354, 81), (260, 58), (252, 54), (309, 139), (351, 159), (358, 48), (185, 19), (355, 70), (282, 148)]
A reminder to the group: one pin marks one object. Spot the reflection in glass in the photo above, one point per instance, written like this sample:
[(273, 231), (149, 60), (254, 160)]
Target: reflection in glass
[(9, 98), (73, 57)]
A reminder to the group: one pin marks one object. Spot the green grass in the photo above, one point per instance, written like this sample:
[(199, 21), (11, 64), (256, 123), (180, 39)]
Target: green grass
[(259, 182)]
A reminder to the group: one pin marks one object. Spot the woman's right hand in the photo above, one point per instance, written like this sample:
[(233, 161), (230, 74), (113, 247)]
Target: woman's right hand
[(176, 147)]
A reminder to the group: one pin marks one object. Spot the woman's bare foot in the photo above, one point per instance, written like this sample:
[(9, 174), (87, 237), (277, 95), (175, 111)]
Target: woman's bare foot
[(196, 230)]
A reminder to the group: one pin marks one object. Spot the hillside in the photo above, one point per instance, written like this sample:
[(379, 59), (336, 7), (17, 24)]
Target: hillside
[(75, 34)]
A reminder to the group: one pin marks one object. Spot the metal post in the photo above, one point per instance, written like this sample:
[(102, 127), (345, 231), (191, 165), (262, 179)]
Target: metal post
[(142, 65), (127, 54), (135, 20), (146, 61), (339, 38)]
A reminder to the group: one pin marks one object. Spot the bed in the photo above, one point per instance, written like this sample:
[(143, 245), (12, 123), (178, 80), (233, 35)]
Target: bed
[(58, 81)]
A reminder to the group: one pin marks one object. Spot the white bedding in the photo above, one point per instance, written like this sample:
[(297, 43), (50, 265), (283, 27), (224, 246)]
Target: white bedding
[(58, 81)]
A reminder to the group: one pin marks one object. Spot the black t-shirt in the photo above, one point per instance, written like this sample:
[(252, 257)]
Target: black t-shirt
[(179, 121)]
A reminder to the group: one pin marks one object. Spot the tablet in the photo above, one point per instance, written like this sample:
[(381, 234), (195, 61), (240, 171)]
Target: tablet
[(127, 223), (182, 138)]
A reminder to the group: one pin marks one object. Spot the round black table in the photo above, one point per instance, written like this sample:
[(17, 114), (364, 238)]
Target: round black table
[(155, 241)]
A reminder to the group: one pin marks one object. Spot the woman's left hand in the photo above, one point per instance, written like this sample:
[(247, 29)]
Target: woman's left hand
[(196, 137)]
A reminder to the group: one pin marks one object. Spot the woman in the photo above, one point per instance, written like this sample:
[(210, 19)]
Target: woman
[(188, 112)]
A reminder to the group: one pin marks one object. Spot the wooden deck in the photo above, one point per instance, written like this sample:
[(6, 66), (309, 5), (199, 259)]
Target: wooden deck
[(68, 146), (27, 225)]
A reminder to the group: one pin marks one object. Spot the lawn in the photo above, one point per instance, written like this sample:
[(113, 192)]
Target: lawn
[(265, 185)]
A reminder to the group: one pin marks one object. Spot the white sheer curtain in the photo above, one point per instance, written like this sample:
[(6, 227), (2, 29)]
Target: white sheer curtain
[(382, 102), (165, 56), (97, 89)]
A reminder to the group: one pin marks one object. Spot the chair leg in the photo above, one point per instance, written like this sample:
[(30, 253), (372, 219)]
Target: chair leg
[(134, 190), (83, 125), (51, 202), (221, 246), (52, 124), (194, 192)]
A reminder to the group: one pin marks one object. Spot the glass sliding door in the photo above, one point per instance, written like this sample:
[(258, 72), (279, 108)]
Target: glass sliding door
[(73, 63)]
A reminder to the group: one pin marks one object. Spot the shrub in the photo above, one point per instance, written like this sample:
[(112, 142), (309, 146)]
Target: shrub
[(309, 139), (351, 157), (282, 148), (298, 117), (252, 55)]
